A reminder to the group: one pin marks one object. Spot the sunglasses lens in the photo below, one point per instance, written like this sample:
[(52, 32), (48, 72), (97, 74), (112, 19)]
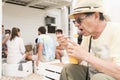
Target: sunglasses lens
[(74, 22), (78, 20)]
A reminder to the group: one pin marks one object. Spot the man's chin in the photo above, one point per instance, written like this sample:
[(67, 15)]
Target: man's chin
[(85, 34)]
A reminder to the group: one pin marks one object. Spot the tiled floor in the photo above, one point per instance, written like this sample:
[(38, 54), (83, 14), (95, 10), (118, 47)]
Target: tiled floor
[(30, 77)]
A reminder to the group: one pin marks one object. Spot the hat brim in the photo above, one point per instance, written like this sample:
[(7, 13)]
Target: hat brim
[(71, 16)]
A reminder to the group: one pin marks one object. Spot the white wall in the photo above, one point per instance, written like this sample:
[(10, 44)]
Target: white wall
[(28, 19), (0, 38), (112, 9), (64, 19)]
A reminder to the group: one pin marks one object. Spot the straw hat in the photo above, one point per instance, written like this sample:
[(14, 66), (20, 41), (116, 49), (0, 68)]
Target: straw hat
[(84, 6)]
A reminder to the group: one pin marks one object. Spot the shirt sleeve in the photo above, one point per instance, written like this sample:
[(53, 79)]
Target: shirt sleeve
[(22, 47), (40, 40)]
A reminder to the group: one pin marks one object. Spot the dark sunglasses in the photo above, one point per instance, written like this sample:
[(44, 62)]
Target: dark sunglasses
[(79, 20)]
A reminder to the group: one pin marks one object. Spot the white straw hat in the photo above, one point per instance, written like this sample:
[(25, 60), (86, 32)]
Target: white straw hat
[(84, 6)]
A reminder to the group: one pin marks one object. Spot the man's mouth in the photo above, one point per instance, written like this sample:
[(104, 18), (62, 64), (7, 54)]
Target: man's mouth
[(81, 29)]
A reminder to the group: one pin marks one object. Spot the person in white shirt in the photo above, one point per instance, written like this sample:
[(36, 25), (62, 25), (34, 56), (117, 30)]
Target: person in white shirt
[(16, 48), (59, 49), (46, 48)]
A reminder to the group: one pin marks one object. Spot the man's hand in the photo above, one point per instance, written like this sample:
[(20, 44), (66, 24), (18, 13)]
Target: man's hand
[(62, 40), (77, 51)]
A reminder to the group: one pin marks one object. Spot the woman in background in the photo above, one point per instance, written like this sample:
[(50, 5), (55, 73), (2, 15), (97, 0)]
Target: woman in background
[(16, 48)]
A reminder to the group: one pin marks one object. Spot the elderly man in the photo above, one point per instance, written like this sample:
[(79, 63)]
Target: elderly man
[(101, 51)]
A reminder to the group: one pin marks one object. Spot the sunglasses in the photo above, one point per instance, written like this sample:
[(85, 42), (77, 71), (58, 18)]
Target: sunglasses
[(79, 20)]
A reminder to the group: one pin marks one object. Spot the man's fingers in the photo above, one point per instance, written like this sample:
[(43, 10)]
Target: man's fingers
[(72, 43)]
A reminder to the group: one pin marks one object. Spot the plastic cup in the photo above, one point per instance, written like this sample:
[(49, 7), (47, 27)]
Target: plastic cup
[(73, 60), (69, 59)]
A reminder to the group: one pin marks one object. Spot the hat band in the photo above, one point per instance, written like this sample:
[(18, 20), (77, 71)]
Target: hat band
[(90, 7)]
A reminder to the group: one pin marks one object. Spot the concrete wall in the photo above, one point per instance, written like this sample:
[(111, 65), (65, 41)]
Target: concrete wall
[(28, 20), (112, 9)]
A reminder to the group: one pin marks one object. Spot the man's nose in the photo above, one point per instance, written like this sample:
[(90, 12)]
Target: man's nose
[(77, 25)]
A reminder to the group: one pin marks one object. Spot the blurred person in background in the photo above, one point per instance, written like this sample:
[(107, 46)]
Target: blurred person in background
[(16, 48), (59, 49), (5, 37), (46, 48)]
